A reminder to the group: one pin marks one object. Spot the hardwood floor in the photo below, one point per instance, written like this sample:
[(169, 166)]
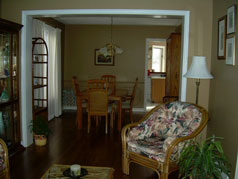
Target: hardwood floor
[(68, 145)]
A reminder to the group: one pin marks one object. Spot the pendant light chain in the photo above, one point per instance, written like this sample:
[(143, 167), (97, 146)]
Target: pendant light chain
[(110, 49), (111, 28)]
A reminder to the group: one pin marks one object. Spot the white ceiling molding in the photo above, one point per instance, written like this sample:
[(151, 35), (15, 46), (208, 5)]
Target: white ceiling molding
[(106, 20)]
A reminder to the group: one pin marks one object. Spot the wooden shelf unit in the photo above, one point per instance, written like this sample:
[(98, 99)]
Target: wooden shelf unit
[(39, 77)]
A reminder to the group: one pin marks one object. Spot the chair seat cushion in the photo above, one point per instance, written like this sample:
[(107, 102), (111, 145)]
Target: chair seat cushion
[(2, 165), (153, 148)]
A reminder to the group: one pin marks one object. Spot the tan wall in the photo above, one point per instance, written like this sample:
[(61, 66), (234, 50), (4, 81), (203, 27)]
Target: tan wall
[(200, 23), (81, 42), (224, 91)]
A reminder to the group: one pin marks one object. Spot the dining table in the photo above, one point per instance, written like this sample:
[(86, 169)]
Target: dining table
[(120, 93)]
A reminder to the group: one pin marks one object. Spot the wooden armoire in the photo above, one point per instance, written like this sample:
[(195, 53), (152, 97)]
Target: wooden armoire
[(173, 58)]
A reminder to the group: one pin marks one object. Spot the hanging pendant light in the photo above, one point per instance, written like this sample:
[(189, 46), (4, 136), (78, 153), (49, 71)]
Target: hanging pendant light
[(110, 49)]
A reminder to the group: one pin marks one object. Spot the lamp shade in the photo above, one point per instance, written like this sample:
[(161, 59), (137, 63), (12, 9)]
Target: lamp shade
[(198, 69)]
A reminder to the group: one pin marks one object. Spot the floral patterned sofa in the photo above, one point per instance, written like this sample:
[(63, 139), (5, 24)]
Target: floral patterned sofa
[(4, 162), (157, 139)]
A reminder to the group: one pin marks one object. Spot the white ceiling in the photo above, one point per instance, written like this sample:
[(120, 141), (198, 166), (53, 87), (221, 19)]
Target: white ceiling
[(123, 20)]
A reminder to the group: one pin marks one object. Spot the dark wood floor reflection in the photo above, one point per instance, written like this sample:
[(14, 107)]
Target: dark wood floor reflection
[(68, 145)]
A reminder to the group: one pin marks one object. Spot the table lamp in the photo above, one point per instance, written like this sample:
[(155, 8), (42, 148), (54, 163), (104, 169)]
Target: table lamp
[(198, 70)]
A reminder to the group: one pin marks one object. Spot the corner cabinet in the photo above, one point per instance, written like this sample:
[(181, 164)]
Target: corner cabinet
[(9, 85), (173, 57), (39, 77)]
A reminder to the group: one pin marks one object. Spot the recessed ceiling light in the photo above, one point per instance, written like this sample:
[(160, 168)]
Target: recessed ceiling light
[(160, 16)]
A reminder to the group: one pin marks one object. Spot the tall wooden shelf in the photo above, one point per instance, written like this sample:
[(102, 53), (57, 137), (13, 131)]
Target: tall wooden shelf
[(9, 85), (39, 77), (173, 58)]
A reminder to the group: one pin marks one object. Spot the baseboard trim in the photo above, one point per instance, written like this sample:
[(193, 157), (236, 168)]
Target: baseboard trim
[(70, 108)]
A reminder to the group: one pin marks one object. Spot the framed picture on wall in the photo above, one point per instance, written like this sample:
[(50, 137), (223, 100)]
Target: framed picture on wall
[(221, 45), (230, 51), (231, 11), (100, 59)]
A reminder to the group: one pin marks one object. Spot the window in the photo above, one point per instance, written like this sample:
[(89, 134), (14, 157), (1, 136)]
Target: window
[(158, 59)]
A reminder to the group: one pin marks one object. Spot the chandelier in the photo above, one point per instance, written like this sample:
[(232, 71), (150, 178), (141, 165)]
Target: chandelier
[(110, 49)]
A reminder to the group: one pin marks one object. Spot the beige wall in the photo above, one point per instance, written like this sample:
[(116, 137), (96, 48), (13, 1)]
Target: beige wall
[(224, 91), (82, 40), (202, 41), (200, 23)]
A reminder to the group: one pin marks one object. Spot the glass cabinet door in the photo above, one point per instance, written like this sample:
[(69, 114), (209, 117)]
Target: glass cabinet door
[(6, 127), (5, 62), (14, 67), (9, 85)]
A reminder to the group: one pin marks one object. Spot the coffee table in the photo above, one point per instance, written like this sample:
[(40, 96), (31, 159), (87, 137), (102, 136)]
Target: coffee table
[(56, 171)]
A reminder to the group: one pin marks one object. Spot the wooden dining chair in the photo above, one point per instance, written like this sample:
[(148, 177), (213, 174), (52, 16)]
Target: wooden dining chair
[(127, 101), (111, 81), (98, 106), (77, 95), (96, 84)]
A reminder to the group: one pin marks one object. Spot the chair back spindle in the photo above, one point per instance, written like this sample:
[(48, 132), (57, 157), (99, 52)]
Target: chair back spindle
[(111, 81)]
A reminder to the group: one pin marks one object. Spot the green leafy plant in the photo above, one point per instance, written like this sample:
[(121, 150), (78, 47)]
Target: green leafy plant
[(39, 126), (203, 160)]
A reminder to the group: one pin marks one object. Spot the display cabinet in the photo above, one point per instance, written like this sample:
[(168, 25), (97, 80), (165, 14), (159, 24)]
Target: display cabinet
[(9, 85)]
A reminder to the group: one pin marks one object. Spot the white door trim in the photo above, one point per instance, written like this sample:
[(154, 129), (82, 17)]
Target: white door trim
[(26, 96)]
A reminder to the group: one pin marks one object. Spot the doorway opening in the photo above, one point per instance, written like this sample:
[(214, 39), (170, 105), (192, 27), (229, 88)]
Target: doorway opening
[(155, 63), (26, 98)]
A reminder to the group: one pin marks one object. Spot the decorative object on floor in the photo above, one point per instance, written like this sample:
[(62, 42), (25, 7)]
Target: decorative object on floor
[(204, 160), (230, 51), (110, 49), (221, 46), (40, 129), (75, 171), (100, 59), (231, 12), (56, 171), (157, 139), (198, 70), (4, 161)]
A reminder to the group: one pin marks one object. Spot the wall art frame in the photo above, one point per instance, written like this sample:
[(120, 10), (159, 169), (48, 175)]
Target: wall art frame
[(230, 51), (100, 59), (221, 43), (231, 19)]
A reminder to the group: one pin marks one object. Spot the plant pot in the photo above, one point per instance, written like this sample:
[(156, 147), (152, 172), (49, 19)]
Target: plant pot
[(40, 140)]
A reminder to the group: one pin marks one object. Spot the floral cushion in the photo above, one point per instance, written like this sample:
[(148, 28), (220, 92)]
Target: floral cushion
[(153, 136), (2, 166)]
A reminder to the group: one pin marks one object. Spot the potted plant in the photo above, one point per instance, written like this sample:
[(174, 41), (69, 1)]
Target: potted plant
[(40, 129), (203, 160)]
